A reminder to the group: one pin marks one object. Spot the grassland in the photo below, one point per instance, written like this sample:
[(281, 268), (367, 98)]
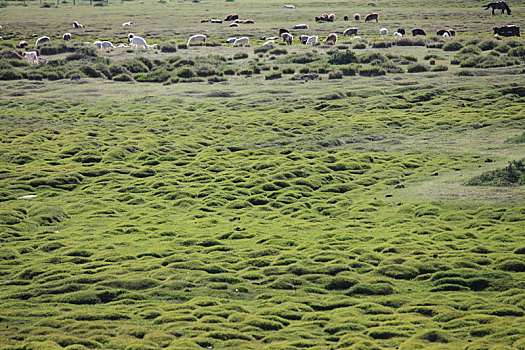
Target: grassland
[(244, 206)]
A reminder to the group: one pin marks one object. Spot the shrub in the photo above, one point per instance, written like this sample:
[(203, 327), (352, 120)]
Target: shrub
[(169, 47), (371, 71), (502, 48), (342, 57), (439, 68), (517, 51), (279, 51), (336, 74), (186, 73), (90, 71), (469, 50), (411, 42), (10, 74), (206, 70), (513, 174), (273, 75), (229, 71), (340, 283), (123, 77), (372, 57), (262, 49), (417, 68), (158, 75), (135, 66), (349, 70), (359, 46), (240, 55), (288, 70), (488, 45), (452, 46), (245, 71), (381, 44)]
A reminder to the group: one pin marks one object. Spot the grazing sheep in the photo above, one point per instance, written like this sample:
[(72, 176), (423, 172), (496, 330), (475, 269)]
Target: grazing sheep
[(383, 31), (446, 35), (41, 40), (197, 38), (357, 17), (401, 31), (269, 43), (288, 6), (350, 31), (331, 17), (98, 44), (214, 20), (123, 45), (356, 38), (249, 21), (77, 25), (127, 24), (130, 36), (66, 36), (303, 38), (107, 45), (371, 17), (233, 25), (330, 38), (205, 20), (273, 38), (287, 38), (231, 17), (449, 32), (231, 40), (346, 18), (311, 40), (242, 41), (418, 31), (31, 57), (23, 44), (398, 35), (300, 26), (283, 30), (137, 43)]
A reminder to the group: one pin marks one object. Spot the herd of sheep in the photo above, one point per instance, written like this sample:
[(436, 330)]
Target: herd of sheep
[(137, 42)]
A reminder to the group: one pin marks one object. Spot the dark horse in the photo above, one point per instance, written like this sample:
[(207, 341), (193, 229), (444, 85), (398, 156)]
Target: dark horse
[(498, 5)]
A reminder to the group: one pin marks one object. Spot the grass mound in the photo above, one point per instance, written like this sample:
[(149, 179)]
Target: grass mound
[(512, 175)]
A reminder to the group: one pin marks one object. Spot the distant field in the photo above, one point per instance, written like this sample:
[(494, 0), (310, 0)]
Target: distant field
[(367, 195)]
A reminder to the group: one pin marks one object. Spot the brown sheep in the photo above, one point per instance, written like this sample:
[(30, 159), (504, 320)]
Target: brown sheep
[(231, 17), (350, 31), (330, 38), (287, 38)]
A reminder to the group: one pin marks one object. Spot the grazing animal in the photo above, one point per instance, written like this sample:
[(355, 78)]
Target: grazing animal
[(122, 45), (288, 6), (323, 17), (350, 31), (446, 34), (31, 57), (401, 31), (205, 20), (77, 25), (107, 45), (197, 38), (270, 43), (242, 41), (331, 17), (233, 25), (273, 38), (346, 18), (127, 24), (449, 32), (330, 38), (300, 26), (499, 5), (311, 40), (0, 27), (231, 40), (41, 40), (303, 39), (512, 30), (98, 44), (1, 38), (357, 17), (23, 44), (66, 36), (398, 35), (418, 31), (283, 30), (138, 42), (231, 17), (130, 36), (287, 38), (383, 31), (216, 20), (372, 16), (249, 21), (356, 38)]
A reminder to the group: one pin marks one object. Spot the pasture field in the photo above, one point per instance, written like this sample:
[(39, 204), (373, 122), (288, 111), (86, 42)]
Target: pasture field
[(368, 195)]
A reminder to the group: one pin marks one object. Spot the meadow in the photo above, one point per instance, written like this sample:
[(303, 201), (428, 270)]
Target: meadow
[(367, 195)]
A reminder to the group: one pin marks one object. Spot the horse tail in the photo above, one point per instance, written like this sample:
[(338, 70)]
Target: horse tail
[(486, 8)]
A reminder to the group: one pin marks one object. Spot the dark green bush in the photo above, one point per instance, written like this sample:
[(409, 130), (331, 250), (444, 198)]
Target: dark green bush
[(343, 57), (278, 51), (135, 66), (518, 51), (10, 74), (452, 46), (359, 46), (513, 174), (186, 73), (90, 71), (371, 71), (169, 47), (123, 77), (381, 44), (240, 55), (158, 75), (336, 74), (273, 75), (417, 68)]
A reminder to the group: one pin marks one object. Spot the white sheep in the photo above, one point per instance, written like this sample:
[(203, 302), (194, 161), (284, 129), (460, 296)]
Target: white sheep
[(242, 41), (127, 24), (311, 40), (77, 25), (107, 45), (383, 31), (356, 38), (446, 34), (288, 6), (231, 40), (98, 44), (269, 43), (41, 40), (138, 42), (122, 45), (31, 56), (197, 38), (398, 35)]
